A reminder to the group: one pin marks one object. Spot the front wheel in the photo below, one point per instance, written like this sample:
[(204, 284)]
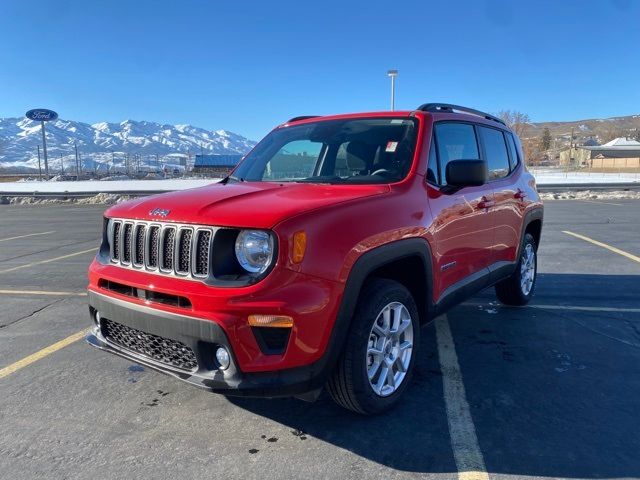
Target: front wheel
[(376, 365), (519, 287)]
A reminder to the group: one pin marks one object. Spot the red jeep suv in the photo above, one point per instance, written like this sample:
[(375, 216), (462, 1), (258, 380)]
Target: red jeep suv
[(318, 259)]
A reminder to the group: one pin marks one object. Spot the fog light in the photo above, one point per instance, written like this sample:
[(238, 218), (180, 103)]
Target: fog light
[(223, 358)]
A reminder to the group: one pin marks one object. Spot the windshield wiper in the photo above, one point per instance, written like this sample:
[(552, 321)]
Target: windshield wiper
[(226, 179)]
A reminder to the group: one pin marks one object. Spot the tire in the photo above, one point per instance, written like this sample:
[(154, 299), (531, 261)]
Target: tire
[(515, 290), (349, 385)]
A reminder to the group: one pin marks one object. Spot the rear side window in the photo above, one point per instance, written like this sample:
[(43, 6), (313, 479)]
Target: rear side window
[(513, 151), (496, 152), (455, 141)]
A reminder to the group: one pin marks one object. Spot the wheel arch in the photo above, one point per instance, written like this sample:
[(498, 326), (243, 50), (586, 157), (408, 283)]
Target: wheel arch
[(394, 261), (532, 224)]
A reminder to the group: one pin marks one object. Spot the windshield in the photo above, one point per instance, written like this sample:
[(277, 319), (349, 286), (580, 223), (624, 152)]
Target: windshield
[(361, 151)]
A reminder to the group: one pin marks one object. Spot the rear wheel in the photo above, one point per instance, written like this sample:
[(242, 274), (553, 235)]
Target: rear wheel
[(519, 287), (376, 365)]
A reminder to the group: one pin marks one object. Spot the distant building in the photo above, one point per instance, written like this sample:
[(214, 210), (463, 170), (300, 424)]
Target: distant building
[(616, 148), (620, 153), (215, 165)]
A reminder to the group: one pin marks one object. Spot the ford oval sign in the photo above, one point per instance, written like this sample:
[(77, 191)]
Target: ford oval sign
[(41, 115)]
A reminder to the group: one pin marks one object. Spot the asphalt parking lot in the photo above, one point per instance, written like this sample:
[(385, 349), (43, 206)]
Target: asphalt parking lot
[(548, 390)]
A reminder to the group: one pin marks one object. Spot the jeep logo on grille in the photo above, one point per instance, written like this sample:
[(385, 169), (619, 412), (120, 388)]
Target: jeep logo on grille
[(159, 212)]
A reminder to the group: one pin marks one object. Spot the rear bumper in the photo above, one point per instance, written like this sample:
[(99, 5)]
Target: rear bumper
[(203, 337)]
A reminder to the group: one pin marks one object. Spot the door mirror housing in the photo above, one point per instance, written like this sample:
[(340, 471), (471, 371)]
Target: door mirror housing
[(466, 173)]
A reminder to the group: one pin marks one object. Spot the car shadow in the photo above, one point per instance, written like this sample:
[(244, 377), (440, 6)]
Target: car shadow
[(548, 396)]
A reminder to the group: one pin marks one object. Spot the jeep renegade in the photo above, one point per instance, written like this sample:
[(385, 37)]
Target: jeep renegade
[(318, 259)]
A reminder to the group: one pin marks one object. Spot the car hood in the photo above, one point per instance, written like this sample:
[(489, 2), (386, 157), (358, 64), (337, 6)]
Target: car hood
[(242, 204)]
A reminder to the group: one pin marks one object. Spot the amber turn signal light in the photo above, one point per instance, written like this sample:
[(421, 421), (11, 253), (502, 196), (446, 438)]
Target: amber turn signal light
[(277, 321), (299, 246)]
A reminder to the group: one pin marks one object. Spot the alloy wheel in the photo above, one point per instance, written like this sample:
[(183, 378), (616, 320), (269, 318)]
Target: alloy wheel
[(389, 349)]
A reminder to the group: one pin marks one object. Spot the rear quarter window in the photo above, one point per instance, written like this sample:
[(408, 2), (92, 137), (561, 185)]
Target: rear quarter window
[(495, 149), (513, 151)]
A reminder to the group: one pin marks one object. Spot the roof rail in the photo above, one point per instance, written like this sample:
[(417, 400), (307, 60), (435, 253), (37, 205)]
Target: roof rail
[(447, 107), (302, 117)]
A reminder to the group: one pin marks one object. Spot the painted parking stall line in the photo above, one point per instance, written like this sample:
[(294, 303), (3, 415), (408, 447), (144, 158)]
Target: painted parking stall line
[(25, 236), (39, 355), (464, 440), (43, 292), (604, 245), (62, 257)]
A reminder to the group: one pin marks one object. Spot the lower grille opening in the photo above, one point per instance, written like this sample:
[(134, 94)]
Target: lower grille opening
[(117, 288), (167, 299), (162, 350), (272, 340), (147, 295)]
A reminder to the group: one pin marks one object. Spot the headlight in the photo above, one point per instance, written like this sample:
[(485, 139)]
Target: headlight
[(254, 250)]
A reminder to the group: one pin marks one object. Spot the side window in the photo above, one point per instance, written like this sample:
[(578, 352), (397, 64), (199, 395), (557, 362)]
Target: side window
[(496, 151), (296, 159), (432, 167), (513, 151), (456, 141)]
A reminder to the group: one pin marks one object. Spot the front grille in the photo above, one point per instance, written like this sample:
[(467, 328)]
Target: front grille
[(168, 244), (162, 350), (203, 241), (138, 258), (154, 241), (126, 254), (115, 243), (165, 248), (184, 251)]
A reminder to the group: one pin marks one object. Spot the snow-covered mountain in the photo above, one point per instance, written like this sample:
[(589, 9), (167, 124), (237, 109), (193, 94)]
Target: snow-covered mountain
[(107, 143)]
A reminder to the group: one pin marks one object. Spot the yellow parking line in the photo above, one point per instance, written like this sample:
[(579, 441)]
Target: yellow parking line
[(19, 267), (604, 245), (464, 440), (25, 236), (42, 292), (41, 354)]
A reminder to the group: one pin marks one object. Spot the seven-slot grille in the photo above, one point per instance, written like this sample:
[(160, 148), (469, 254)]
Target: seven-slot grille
[(166, 248)]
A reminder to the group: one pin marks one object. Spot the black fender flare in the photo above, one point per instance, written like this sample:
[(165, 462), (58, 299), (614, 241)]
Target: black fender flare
[(536, 213), (379, 257), (367, 263)]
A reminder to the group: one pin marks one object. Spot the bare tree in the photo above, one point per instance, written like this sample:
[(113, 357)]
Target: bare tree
[(515, 120), (612, 132)]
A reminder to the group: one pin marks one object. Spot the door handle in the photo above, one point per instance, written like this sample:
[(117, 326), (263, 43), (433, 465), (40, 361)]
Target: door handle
[(485, 203)]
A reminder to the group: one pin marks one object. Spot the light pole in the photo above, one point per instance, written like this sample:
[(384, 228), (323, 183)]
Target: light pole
[(393, 74)]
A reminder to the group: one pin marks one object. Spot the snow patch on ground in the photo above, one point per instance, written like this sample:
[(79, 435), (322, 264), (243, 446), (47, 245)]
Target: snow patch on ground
[(100, 186), (591, 195), (99, 199), (549, 176)]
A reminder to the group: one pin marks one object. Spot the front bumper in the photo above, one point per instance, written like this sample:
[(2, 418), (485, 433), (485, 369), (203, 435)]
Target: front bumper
[(203, 337)]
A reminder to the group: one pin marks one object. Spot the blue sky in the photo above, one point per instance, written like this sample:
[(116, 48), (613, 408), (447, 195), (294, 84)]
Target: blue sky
[(246, 66)]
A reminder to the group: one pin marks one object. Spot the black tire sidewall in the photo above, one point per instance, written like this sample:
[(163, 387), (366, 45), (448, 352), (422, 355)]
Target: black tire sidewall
[(375, 297)]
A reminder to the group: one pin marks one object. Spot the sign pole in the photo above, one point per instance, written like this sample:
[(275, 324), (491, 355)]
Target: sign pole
[(44, 148), (39, 166), (75, 145)]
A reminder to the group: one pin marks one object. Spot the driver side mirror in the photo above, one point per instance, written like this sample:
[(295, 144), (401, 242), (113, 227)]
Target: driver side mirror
[(466, 173)]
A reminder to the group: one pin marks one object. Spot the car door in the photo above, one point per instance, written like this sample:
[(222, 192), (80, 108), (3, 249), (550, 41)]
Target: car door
[(462, 228), (506, 209)]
